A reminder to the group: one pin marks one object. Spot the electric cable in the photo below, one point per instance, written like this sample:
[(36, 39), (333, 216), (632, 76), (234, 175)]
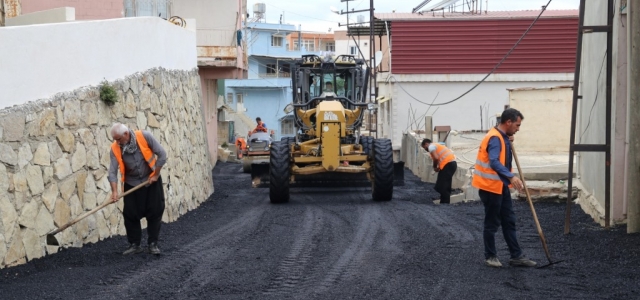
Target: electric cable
[(492, 70)]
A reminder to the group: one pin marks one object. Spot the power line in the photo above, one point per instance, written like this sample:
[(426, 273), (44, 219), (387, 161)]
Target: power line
[(494, 68)]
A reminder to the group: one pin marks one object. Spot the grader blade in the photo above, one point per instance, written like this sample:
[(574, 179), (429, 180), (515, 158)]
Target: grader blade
[(328, 179)]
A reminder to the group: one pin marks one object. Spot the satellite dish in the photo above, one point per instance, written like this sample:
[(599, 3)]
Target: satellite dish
[(378, 57)]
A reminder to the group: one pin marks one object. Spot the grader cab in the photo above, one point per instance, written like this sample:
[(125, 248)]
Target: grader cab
[(328, 108)]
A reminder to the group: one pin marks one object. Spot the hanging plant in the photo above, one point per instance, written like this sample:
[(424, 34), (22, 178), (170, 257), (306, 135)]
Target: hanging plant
[(108, 93)]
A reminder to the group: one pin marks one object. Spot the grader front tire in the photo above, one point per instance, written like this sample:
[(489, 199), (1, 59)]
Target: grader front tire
[(279, 172), (382, 189)]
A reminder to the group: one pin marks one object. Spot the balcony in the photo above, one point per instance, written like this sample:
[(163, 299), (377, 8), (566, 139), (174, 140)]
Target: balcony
[(218, 48)]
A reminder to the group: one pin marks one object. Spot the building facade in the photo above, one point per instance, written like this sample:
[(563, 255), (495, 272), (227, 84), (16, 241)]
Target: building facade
[(437, 61), (267, 89)]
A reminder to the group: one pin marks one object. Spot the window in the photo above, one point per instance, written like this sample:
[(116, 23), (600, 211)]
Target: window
[(239, 97), (229, 98), (276, 41), (286, 126), (147, 8), (353, 50), (330, 47), (271, 69), (310, 45), (296, 45)]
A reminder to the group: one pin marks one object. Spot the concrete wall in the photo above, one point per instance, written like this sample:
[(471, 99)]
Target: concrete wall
[(85, 53), (56, 15), (412, 94), (55, 157), (419, 162), (215, 26), (546, 110), (85, 9)]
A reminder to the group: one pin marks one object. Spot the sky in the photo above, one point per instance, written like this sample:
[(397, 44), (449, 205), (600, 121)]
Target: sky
[(316, 15)]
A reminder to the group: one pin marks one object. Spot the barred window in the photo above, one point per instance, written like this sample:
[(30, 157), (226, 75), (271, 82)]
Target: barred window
[(286, 127)]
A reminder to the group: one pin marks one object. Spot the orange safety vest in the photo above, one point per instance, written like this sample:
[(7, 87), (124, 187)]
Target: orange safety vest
[(484, 177), (260, 128), (144, 148), (241, 144), (444, 154)]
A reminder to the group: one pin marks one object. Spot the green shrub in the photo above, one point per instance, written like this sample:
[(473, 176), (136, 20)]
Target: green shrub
[(108, 94)]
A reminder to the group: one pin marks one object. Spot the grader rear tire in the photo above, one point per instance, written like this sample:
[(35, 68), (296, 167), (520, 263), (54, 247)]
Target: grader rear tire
[(382, 189), (288, 139), (279, 172), (367, 144)]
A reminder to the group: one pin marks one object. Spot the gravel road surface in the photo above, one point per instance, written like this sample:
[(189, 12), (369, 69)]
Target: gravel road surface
[(338, 244)]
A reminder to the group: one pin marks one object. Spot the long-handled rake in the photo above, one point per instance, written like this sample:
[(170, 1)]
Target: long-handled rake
[(533, 211), (51, 239)]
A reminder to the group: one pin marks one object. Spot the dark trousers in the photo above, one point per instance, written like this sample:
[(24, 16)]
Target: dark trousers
[(146, 202), (498, 211), (443, 183)]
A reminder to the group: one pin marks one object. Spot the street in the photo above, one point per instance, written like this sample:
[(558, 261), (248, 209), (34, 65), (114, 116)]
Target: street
[(338, 244)]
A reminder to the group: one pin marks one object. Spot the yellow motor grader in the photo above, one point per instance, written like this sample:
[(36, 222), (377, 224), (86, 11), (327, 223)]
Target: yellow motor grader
[(328, 109)]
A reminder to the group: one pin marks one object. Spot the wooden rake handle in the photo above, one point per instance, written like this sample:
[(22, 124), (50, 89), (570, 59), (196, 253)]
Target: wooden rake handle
[(533, 210), (109, 201)]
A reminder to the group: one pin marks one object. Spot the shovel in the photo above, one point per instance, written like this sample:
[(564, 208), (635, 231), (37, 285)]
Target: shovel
[(51, 239), (533, 211)]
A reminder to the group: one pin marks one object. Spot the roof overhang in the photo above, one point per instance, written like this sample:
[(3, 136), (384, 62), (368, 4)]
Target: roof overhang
[(379, 28)]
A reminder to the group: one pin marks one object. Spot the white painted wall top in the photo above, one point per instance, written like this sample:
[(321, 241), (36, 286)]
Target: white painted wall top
[(39, 61), (56, 15)]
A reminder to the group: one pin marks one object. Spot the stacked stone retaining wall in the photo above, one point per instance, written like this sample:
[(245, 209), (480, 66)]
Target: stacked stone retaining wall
[(54, 158)]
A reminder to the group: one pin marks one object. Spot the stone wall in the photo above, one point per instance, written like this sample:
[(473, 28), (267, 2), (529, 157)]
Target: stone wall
[(54, 158)]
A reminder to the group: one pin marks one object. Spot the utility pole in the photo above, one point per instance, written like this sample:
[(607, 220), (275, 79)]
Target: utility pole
[(633, 164), (373, 84)]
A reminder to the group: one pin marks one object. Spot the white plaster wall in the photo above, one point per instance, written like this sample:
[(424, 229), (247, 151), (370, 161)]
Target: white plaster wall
[(56, 15), (342, 47), (38, 61), (547, 123), (591, 111), (461, 115), (591, 114)]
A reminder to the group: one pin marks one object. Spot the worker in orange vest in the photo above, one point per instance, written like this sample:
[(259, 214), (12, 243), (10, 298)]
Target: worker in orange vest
[(444, 162), (139, 157), (492, 177), (261, 127)]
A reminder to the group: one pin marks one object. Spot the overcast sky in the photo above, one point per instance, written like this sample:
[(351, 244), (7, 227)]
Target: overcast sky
[(316, 15)]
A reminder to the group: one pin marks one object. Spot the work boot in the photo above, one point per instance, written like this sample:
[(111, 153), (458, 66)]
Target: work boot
[(153, 248), (493, 262), (522, 261), (133, 249)]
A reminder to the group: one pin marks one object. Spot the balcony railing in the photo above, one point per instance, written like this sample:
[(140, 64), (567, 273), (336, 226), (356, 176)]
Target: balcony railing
[(274, 75)]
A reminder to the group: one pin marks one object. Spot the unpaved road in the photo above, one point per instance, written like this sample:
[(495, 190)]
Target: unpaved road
[(337, 244)]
